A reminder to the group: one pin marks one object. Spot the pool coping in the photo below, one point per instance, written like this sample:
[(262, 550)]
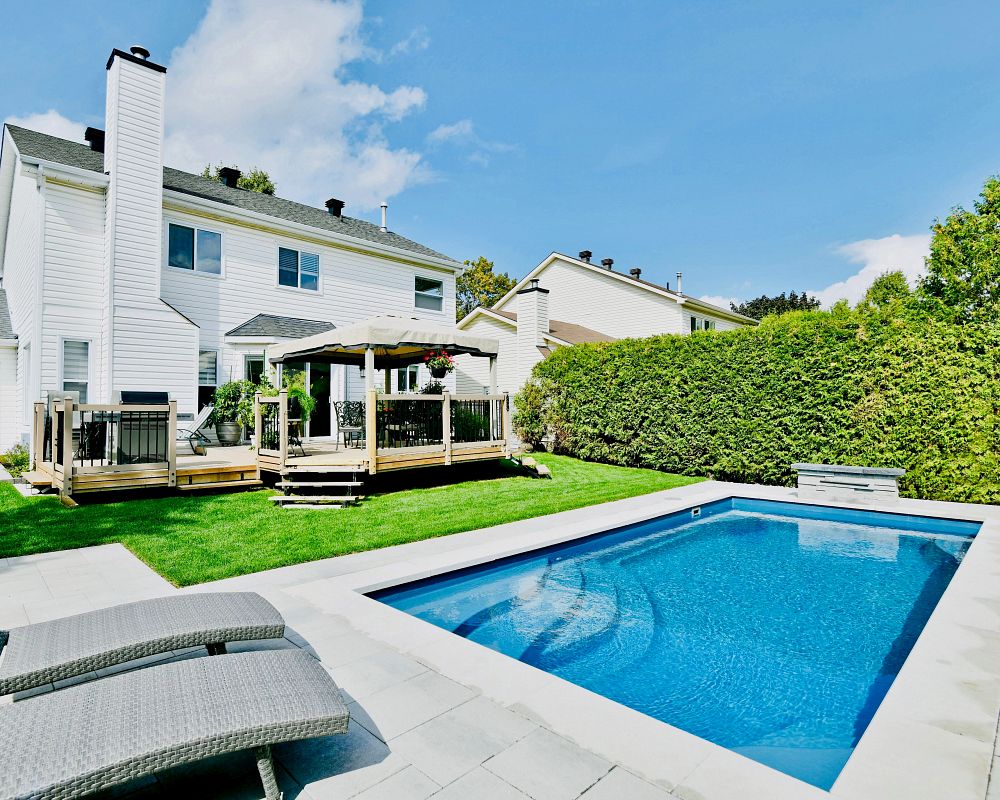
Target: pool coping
[(933, 735)]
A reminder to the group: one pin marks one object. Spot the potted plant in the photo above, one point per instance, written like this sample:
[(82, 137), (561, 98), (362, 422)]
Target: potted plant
[(233, 410), (439, 363)]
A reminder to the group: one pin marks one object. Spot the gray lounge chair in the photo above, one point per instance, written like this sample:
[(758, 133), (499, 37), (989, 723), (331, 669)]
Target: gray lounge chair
[(104, 733), (50, 651)]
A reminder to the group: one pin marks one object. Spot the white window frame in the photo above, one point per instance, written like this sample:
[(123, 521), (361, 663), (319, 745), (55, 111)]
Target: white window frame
[(168, 221), (247, 356), (318, 291), (415, 369), (443, 297), (90, 363)]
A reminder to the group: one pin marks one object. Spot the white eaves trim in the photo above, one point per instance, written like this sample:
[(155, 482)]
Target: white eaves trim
[(679, 299), (53, 169), (255, 339), (293, 228)]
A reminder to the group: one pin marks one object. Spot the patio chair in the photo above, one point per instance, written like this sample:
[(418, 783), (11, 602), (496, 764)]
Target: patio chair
[(34, 655), (191, 433), (104, 733), (350, 421)]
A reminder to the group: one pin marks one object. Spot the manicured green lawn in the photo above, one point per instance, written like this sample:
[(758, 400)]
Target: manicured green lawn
[(195, 538)]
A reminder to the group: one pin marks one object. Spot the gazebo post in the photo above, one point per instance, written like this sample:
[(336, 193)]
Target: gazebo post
[(369, 369), (388, 380), (493, 374)]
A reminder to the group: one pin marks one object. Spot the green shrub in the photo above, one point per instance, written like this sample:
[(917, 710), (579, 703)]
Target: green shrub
[(884, 389), (16, 460)]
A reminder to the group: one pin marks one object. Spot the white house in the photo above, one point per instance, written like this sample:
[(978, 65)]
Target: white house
[(117, 273), (565, 301)]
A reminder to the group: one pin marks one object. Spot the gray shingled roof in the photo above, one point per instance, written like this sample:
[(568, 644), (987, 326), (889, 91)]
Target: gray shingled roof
[(284, 327), (6, 328), (565, 331), (74, 154)]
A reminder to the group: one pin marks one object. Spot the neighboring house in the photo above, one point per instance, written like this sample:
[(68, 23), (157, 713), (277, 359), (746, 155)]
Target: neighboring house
[(565, 301), (119, 274)]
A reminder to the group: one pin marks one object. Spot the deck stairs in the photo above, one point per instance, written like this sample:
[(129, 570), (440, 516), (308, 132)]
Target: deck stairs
[(530, 465), (319, 487)]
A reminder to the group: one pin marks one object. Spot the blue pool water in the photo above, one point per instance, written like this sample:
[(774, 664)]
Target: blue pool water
[(773, 629)]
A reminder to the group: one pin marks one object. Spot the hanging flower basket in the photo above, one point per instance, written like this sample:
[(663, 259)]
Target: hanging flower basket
[(439, 363)]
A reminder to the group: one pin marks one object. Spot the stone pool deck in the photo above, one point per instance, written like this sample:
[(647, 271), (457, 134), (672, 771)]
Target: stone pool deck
[(424, 722)]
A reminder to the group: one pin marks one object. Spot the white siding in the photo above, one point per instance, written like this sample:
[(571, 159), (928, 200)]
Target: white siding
[(353, 287), (73, 306), (603, 303), (153, 347), (10, 423), (474, 373), (20, 276)]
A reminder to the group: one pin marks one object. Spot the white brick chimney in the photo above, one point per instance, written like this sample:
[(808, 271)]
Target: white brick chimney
[(532, 325)]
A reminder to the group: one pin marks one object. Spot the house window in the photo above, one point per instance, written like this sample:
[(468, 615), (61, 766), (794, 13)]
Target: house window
[(253, 368), (428, 294), (298, 269), (76, 368), (406, 379), (702, 324), (194, 249), (208, 377)]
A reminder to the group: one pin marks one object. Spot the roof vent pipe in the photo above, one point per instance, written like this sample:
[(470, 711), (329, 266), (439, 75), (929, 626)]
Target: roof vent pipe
[(385, 209), (679, 276), (635, 272), (230, 176), (585, 255), (607, 263), (139, 51), (335, 206)]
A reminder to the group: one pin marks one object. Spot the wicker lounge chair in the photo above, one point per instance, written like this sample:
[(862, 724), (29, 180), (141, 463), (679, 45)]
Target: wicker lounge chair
[(50, 651), (103, 733)]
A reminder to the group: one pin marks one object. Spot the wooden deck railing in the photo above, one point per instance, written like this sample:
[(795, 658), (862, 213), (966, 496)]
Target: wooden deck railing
[(93, 445), (400, 428)]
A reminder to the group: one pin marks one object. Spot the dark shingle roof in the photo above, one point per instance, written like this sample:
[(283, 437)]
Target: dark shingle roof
[(6, 329), (565, 331), (284, 327), (74, 154)]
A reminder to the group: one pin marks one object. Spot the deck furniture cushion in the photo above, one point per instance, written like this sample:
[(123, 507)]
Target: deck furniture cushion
[(50, 651), (104, 733)]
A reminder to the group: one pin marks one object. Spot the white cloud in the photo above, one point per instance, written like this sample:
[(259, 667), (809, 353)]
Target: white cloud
[(264, 84), (719, 300), (463, 134), (418, 39), (890, 253), (52, 123), (463, 129)]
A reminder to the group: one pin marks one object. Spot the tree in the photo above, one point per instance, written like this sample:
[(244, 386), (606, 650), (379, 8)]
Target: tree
[(962, 283), (256, 180), (888, 291), (479, 285), (760, 307)]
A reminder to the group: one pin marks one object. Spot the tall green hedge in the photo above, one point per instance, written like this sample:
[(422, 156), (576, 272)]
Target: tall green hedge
[(842, 387)]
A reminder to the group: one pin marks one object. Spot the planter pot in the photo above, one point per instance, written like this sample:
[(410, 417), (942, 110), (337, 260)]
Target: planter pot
[(439, 372), (229, 432)]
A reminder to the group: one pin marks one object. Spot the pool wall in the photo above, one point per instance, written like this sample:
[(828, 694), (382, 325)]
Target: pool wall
[(932, 737)]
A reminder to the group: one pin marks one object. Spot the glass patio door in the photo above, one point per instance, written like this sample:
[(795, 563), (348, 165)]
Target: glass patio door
[(317, 379)]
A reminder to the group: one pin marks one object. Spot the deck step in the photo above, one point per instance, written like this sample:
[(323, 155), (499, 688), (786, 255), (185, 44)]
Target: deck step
[(37, 478), (296, 484), (289, 470), (190, 487), (291, 499)]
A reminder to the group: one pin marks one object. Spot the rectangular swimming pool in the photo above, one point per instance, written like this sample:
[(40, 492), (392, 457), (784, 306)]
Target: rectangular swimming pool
[(771, 628)]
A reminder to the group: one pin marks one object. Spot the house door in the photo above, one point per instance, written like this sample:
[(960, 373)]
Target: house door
[(319, 388)]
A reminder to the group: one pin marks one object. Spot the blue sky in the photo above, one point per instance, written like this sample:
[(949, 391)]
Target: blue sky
[(757, 147)]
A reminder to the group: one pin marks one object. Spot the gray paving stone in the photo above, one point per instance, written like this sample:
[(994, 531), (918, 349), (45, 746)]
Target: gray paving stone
[(459, 740), (395, 710), (620, 783), (364, 677), (547, 767), (408, 784), (480, 784), (338, 767)]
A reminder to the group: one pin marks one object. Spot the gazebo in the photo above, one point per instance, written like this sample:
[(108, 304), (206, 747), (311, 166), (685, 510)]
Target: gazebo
[(397, 431)]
